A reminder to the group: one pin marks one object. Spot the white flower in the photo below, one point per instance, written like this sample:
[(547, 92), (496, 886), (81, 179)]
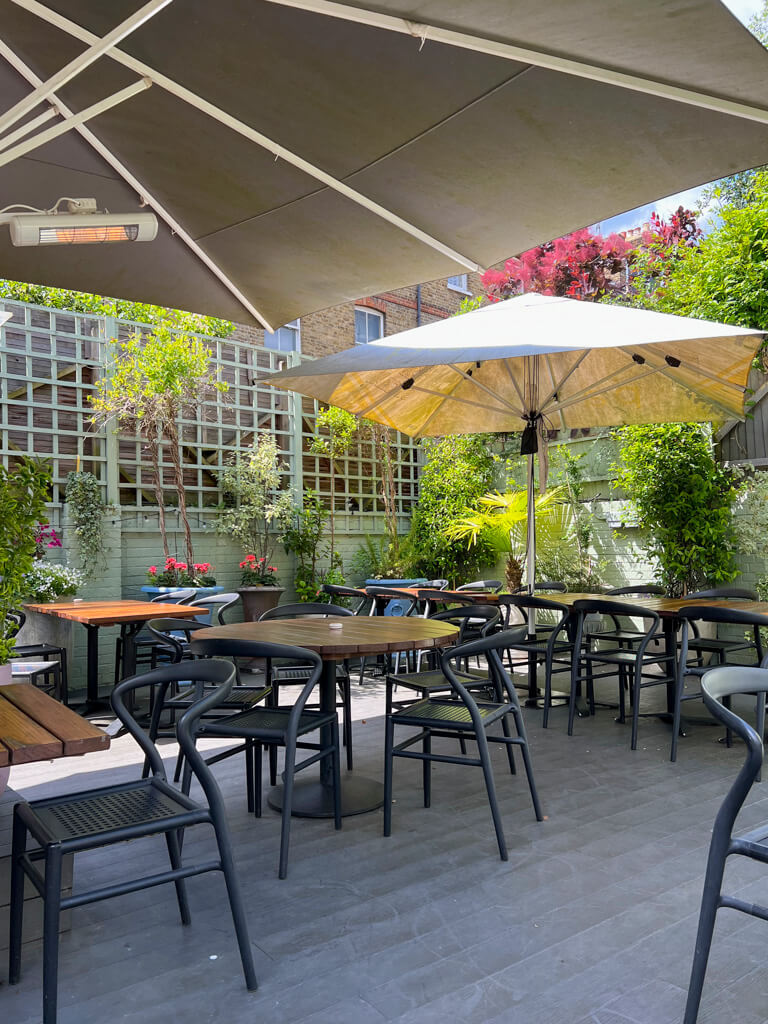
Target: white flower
[(46, 581)]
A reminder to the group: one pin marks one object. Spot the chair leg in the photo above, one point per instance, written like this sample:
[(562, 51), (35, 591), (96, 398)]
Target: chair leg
[(572, 695), (249, 774), (17, 899), (258, 754), (179, 766), (64, 677), (677, 710), (174, 855), (389, 737), (710, 898), (289, 771), (509, 746), (235, 896), (346, 693), (336, 765), (485, 759), (636, 707), (426, 768), (51, 913), (528, 764)]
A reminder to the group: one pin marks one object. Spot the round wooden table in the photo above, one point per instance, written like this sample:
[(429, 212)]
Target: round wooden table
[(358, 636)]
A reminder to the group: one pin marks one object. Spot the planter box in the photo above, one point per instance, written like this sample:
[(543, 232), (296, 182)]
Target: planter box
[(257, 600), (48, 629)]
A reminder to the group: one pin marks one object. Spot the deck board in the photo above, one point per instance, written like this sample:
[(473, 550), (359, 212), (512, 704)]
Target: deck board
[(592, 920)]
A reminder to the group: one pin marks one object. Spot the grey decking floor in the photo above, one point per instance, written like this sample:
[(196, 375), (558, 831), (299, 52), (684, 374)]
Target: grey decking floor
[(591, 921)]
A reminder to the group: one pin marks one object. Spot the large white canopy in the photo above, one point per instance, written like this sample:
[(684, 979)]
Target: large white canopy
[(572, 363)]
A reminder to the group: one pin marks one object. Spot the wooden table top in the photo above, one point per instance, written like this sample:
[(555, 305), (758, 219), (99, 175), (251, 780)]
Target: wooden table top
[(378, 634), (667, 606), (476, 596), (112, 613), (35, 727)]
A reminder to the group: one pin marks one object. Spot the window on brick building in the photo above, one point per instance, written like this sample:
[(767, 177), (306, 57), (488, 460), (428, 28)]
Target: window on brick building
[(286, 338), (369, 325), (458, 283)]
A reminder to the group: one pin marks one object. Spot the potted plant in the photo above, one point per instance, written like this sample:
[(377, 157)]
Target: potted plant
[(176, 575), (260, 588), (256, 513)]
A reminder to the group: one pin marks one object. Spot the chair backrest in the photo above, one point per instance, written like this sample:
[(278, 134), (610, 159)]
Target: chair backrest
[(716, 685), (525, 602), (437, 584), (201, 673), (167, 631), (226, 647), (218, 603), (493, 648), (638, 590), (544, 586), (399, 602), (729, 593), (484, 616), (181, 596), (733, 615), (350, 593), (296, 611), (492, 585)]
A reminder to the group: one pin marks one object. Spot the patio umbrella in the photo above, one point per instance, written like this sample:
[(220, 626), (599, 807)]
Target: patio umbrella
[(536, 362), (301, 153)]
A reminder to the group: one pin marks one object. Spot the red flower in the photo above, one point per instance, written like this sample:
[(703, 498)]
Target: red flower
[(181, 565), (272, 568), (153, 569), (250, 558)]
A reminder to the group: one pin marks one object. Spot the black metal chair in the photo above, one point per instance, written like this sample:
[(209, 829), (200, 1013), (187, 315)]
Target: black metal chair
[(335, 591), (629, 665), (543, 587), (462, 719), (549, 645), (719, 647), (172, 639), (145, 645), (432, 681), (718, 686), (297, 675), (268, 726), (622, 632), (218, 604), (688, 617), (44, 652), (493, 585), (110, 815)]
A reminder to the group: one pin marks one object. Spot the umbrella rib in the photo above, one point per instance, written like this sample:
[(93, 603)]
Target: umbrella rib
[(234, 124), (464, 401), (557, 387), (516, 386), (468, 377), (589, 394), (537, 58), (701, 372), (106, 154), (392, 391), (438, 407), (587, 391), (689, 387)]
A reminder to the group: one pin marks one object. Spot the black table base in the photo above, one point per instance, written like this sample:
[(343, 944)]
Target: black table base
[(311, 799)]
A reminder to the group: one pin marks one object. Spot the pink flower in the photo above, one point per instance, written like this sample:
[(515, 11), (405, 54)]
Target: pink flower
[(181, 565), (250, 558), (272, 568), (153, 569)]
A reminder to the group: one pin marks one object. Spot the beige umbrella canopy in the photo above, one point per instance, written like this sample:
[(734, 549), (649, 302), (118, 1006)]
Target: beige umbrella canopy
[(301, 153), (534, 362)]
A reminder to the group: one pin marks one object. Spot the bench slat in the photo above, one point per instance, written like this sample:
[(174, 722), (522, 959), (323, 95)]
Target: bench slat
[(75, 734)]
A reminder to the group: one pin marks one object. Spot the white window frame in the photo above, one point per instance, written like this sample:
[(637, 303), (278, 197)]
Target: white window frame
[(292, 325), (369, 313), (462, 287)]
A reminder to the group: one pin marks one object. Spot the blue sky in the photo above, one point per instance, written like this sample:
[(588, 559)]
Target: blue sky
[(744, 10)]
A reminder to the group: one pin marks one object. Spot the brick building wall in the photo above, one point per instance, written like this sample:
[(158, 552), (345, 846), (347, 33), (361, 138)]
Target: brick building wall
[(333, 329)]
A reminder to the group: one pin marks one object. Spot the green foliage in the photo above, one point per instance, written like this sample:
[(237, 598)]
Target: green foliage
[(23, 492), (304, 538), (87, 511), (256, 513), (751, 520), (573, 563), (378, 558), (123, 309), (459, 470), (336, 430), (152, 380), (470, 304), (683, 499)]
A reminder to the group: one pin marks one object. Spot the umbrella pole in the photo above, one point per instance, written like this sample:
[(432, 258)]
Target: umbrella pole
[(530, 568)]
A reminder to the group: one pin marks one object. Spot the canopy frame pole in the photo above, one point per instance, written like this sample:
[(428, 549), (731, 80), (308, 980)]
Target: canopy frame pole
[(84, 60), (667, 372), (256, 137), (146, 196), (525, 55), (25, 129), (69, 123)]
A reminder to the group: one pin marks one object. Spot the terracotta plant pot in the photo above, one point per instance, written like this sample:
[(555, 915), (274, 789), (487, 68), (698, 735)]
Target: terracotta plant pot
[(257, 600)]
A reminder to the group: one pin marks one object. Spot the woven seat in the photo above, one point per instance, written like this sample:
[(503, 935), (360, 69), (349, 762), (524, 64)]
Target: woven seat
[(99, 814), (434, 712), (110, 815), (265, 720)]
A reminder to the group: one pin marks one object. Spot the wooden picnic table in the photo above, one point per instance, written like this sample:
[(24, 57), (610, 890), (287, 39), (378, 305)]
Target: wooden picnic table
[(95, 614), (35, 727)]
